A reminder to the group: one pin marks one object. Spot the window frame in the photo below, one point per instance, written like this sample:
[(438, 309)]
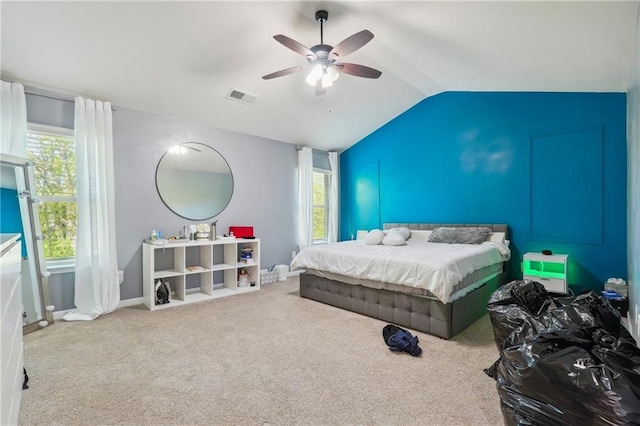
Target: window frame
[(327, 207), (54, 266)]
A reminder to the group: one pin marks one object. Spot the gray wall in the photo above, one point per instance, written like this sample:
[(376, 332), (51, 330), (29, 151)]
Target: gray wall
[(264, 193), (265, 185)]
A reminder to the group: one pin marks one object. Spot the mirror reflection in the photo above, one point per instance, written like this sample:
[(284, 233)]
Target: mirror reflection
[(19, 215), (194, 181)]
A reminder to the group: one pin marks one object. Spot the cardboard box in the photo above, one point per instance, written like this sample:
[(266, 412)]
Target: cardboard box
[(241, 231)]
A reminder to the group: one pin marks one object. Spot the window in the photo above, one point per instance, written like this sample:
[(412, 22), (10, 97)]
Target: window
[(53, 152), (321, 181)]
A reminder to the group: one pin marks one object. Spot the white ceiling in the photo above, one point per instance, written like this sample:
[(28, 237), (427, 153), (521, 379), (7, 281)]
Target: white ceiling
[(181, 59)]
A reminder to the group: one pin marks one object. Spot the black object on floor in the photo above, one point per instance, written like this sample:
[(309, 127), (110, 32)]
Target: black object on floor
[(400, 340), (26, 379), (564, 360), (163, 292)]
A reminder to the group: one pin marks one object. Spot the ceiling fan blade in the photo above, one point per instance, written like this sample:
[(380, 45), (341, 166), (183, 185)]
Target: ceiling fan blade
[(357, 70), (320, 90), (293, 45), (352, 43), (286, 71)]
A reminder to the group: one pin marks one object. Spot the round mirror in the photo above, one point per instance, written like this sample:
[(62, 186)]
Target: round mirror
[(194, 181)]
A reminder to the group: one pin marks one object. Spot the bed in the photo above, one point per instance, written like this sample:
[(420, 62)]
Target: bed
[(391, 284)]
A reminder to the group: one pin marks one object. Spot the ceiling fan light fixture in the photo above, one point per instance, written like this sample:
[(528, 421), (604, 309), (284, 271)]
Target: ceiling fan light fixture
[(314, 75), (178, 149), (326, 80), (322, 58), (333, 74)]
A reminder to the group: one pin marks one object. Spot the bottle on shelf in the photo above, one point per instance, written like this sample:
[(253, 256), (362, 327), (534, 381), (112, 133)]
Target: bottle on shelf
[(243, 277), (214, 231)]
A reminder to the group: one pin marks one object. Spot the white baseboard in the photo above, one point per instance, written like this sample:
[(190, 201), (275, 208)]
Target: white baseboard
[(131, 302), (57, 315)]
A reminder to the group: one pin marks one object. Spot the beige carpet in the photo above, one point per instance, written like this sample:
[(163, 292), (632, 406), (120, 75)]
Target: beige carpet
[(262, 358)]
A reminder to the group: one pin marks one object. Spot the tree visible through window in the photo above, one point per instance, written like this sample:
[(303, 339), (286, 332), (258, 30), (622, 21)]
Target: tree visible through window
[(321, 181), (52, 151)]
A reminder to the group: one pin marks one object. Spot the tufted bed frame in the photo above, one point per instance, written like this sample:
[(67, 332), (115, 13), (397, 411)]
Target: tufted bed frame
[(420, 313)]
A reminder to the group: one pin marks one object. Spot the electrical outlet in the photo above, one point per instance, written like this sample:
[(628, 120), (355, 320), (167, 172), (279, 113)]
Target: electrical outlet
[(120, 277)]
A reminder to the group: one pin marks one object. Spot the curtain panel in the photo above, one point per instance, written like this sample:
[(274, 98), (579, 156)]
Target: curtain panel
[(97, 290), (305, 197), (13, 113), (333, 197)]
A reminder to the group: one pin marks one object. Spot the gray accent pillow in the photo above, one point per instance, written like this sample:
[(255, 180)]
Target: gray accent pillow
[(465, 235)]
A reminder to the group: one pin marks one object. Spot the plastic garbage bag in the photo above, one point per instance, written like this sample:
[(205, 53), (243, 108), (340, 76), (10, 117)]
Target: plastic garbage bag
[(564, 360)]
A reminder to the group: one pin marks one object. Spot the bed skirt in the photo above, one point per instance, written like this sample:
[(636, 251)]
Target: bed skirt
[(415, 312)]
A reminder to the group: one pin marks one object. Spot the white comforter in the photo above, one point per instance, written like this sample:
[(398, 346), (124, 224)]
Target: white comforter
[(436, 267)]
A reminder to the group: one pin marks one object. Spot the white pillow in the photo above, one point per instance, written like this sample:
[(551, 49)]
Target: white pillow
[(405, 232), (374, 237), (496, 237), (393, 239)]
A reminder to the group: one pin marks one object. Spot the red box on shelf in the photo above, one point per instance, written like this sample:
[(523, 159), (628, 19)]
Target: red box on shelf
[(241, 231)]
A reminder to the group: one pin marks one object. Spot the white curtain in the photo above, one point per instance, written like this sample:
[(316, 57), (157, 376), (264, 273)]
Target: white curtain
[(333, 197), (97, 289), (13, 141), (13, 110), (305, 197)]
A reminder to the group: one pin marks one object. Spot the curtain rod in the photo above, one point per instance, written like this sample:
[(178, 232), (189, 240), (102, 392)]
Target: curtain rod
[(299, 148)]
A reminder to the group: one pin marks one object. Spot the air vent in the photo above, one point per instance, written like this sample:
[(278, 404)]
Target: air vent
[(244, 97)]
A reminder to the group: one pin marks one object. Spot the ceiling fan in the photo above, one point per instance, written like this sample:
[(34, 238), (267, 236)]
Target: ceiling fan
[(323, 58)]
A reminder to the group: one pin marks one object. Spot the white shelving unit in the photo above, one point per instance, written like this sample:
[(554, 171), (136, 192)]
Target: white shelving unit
[(198, 270), (549, 270)]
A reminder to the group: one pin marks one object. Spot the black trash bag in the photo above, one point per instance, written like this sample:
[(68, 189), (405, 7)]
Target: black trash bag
[(517, 324), (400, 340), (563, 360)]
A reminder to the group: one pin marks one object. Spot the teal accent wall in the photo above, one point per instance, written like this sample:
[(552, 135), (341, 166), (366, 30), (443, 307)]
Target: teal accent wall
[(550, 165), (10, 218)]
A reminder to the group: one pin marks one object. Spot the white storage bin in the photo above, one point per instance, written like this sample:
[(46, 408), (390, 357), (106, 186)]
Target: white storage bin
[(283, 271)]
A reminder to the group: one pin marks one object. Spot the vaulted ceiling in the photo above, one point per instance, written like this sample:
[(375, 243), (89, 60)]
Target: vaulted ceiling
[(181, 59)]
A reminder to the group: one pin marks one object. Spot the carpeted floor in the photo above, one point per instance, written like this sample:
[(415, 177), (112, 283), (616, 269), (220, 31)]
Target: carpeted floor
[(262, 358)]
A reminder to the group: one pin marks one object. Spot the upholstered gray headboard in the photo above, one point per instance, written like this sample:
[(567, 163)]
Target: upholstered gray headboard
[(429, 226)]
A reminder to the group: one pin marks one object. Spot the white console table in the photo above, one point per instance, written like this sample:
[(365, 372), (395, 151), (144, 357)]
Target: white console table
[(199, 270)]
